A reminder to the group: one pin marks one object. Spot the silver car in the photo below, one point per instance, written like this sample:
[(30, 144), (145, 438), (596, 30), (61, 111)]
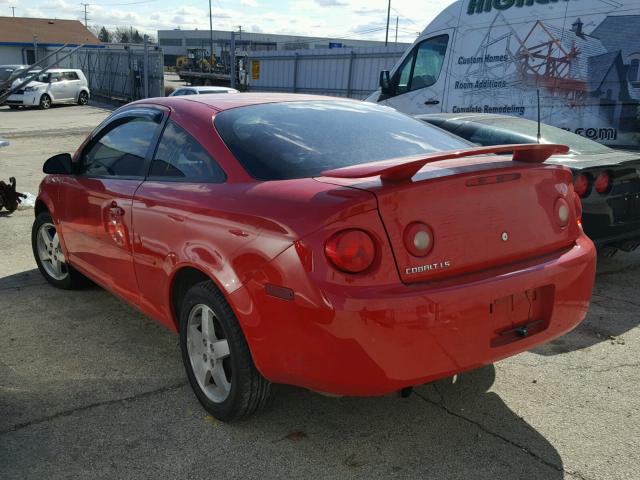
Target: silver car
[(57, 85)]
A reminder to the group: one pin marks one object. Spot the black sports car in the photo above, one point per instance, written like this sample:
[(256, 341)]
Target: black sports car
[(607, 180)]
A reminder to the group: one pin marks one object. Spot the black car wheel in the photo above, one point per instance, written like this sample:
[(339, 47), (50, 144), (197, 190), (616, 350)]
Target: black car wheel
[(45, 101), (216, 356), (83, 98)]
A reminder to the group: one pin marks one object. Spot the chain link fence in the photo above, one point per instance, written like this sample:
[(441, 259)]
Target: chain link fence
[(120, 74)]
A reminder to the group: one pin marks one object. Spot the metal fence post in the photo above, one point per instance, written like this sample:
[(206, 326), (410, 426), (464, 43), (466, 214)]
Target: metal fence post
[(295, 72), (146, 66), (351, 57), (232, 67)]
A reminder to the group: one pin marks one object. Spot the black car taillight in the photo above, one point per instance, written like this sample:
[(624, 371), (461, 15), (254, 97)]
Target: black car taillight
[(581, 184), (603, 183)]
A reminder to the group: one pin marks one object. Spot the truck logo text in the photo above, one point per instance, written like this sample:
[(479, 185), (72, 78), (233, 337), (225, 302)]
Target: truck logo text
[(480, 6)]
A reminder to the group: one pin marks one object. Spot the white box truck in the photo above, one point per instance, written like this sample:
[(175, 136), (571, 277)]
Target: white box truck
[(581, 57)]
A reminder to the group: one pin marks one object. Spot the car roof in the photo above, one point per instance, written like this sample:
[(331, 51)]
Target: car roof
[(204, 87), (226, 101), (60, 70)]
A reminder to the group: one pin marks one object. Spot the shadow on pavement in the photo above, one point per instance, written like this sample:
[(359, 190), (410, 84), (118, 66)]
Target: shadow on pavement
[(612, 310)]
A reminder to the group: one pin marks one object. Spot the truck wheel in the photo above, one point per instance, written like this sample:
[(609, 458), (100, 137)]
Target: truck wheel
[(14, 107), (45, 101), (216, 356), (49, 257), (83, 98)]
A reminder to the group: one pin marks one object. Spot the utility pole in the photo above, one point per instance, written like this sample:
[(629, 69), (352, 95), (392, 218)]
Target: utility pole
[(13, 10), (210, 36), (240, 34), (85, 5), (386, 37), (396, 30)]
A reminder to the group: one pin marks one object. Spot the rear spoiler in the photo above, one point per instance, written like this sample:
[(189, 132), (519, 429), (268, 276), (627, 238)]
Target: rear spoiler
[(400, 169)]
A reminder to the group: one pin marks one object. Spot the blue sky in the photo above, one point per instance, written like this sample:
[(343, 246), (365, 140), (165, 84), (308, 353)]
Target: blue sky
[(319, 18)]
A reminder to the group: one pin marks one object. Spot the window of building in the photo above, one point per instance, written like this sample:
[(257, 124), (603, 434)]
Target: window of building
[(170, 42)]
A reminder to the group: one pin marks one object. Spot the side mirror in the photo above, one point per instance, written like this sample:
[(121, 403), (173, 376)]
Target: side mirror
[(385, 82), (60, 164)]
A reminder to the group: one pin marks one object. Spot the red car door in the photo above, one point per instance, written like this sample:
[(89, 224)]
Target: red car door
[(96, 213), (173, 204)]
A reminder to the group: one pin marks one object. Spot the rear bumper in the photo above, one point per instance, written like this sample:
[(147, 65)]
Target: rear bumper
[(355, 341)]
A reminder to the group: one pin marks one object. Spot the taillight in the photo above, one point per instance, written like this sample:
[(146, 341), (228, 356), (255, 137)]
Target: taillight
[(578, 205), (603, 183), (418, 239), (581, 184), (562, 212), (351, 250)]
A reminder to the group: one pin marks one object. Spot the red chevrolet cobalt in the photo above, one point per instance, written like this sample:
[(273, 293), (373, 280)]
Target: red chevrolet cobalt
[(326, 243)]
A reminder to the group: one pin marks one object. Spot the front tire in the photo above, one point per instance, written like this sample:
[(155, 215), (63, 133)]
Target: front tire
[(49, 256), (45, 101), (216, 356), (83, 98)]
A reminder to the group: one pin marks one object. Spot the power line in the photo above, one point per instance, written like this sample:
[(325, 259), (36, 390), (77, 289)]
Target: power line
[(127, 3), (404, 16)]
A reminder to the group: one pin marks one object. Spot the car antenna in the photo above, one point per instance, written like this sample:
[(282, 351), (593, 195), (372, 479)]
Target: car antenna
[(538, 93)]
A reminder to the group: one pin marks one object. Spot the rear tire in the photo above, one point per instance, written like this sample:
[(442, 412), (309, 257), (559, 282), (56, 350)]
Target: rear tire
[(83, 98), (45, 102), (49, 257), (216, 356), (14, 107)]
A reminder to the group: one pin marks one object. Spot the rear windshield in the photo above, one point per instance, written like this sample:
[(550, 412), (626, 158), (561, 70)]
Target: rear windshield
[(286, 140), (549, 134)]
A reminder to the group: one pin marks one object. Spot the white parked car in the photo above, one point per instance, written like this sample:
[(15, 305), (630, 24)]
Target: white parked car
[(57, 85), (201, 91)]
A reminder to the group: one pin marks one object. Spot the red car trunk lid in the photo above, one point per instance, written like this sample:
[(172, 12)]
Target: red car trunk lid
[(483, 213)]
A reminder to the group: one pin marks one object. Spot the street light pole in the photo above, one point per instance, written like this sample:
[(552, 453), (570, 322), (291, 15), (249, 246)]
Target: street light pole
[(386, 37)]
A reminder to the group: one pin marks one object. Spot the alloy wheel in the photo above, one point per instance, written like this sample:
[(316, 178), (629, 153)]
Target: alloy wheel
[(209, 353), (50, 252), (45, 101)]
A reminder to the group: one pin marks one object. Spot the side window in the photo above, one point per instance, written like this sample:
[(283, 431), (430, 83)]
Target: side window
[(180, 156), (405, 74), (70, 76), (55, 77), (422, 67), (179, 93), (121, 151)]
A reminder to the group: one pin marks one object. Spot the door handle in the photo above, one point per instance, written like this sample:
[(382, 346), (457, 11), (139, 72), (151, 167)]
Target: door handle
[(115, 209), (432, 101)]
